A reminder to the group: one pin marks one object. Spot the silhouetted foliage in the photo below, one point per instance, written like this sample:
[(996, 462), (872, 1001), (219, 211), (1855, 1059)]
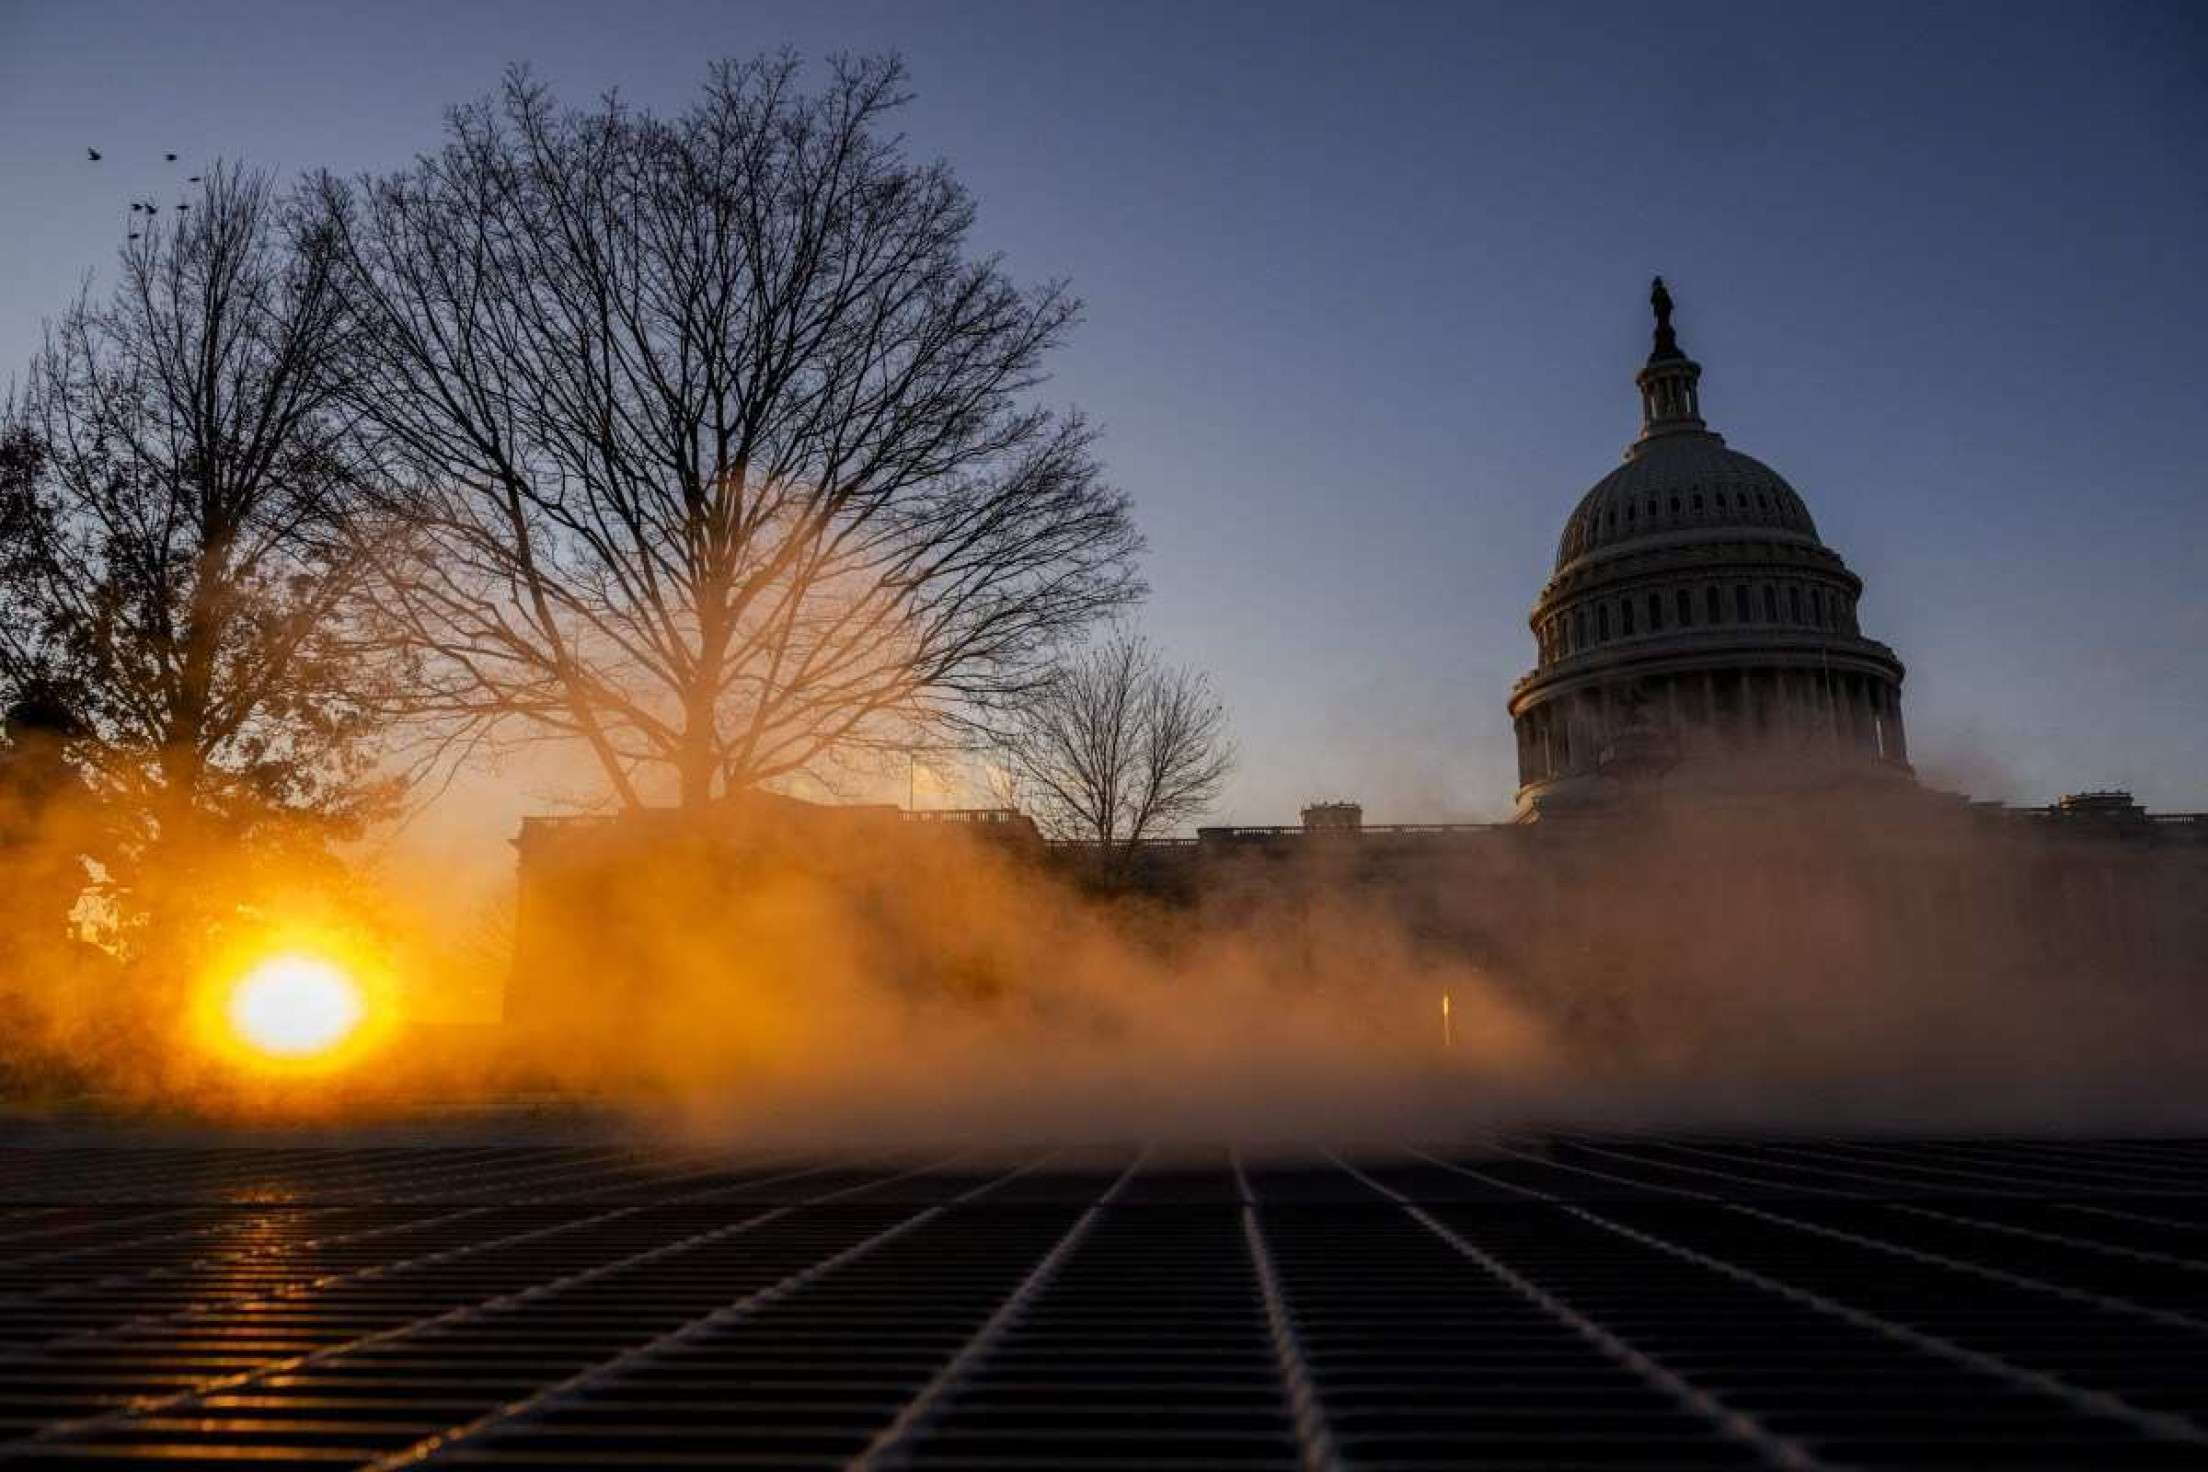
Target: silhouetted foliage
[(720, 440)]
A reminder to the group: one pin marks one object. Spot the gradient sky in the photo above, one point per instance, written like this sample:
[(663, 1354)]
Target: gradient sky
[(1367, 285)]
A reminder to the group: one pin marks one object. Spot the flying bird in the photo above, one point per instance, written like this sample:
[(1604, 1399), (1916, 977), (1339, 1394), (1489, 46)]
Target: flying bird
[(169, 157), (133, 235), (183, 206), (193, 180), (92, 154)]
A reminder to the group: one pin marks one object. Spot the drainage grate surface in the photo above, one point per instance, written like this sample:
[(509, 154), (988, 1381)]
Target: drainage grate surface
[(1539, 1302)]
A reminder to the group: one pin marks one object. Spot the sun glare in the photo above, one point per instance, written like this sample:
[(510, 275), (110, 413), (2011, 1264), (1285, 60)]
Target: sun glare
[(295, 1007)]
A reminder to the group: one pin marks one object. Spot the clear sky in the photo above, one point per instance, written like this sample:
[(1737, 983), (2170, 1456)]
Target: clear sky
[(1366, 287)]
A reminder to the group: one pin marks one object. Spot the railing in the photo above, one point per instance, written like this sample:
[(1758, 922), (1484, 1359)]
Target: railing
[(1141, 845), (2085, 817), (1365, 830), (964, 815)]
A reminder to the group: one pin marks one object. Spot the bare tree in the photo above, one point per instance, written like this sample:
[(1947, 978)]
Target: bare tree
[(719, 439), (1117, 747), (182, 505)]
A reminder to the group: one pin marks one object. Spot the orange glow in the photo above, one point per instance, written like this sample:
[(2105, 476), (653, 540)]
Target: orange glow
[(295, 1007), (306, 1005)]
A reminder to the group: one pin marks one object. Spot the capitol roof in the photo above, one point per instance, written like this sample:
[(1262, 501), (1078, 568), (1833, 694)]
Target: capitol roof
[(1680, 483)]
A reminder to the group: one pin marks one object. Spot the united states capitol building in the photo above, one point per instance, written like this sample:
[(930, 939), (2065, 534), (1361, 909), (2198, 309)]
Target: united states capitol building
[(1712, 759), (1698, 644), (1696, 629)]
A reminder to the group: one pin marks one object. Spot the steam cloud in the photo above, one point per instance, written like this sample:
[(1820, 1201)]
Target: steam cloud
[(1850, 963)]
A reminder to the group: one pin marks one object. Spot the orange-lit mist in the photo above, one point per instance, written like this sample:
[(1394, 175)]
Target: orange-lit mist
[(838, 980)]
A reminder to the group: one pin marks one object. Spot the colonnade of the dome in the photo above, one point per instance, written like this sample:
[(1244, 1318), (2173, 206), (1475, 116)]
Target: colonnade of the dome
[(1763, 721)]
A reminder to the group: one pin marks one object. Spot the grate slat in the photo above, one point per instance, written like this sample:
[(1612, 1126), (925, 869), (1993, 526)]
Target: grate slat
[(532, 1295), (2158, 1424), (1730, 1422), (460, 1316)]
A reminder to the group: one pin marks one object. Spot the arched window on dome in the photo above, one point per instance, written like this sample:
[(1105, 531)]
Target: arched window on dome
[(1817, 606), (1770, 604), (1698, 503), (1655, 613), (1712, 605), (1683, 604), (1625, 617), (1740, 603), (1602, 623), (1794, 601), (1579, 628), (1674, 505)]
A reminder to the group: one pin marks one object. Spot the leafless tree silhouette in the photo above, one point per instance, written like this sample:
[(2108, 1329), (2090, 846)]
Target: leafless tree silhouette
[(720, 440), (1116, 747), (183, 506)]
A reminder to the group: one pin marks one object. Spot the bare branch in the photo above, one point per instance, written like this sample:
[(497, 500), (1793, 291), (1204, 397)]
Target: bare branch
[(716, 438)]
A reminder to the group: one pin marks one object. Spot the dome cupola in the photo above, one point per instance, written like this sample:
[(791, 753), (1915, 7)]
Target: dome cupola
[(1670, 398)]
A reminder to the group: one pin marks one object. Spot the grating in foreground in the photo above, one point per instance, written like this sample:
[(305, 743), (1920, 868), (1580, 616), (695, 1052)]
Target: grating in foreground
[(1563, 1301)]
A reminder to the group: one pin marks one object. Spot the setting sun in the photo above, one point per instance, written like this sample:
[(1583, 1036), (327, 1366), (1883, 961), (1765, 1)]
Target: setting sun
[(295, 1007)]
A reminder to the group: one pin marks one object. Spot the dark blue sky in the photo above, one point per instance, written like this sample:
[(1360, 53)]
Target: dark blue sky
[(1366, 288)]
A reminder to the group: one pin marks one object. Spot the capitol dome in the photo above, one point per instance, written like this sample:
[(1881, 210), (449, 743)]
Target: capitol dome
[(1696, 630), (1688, 484)]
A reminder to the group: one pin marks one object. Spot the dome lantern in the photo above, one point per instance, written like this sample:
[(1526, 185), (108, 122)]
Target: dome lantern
[(1670, 399)]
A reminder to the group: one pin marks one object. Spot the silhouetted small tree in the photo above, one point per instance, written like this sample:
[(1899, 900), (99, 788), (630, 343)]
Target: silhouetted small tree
[(719, 438), (1116, 746)]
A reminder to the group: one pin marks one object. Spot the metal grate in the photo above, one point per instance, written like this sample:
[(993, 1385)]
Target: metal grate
[(1616, 1302)]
